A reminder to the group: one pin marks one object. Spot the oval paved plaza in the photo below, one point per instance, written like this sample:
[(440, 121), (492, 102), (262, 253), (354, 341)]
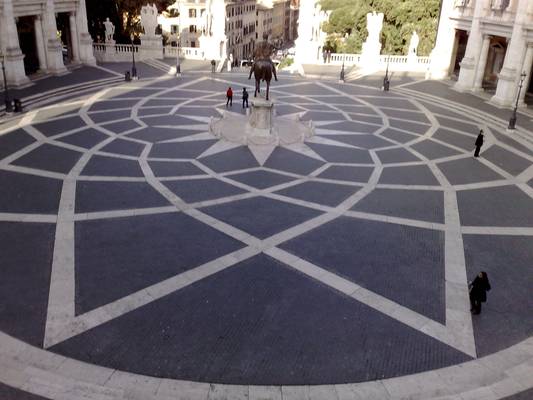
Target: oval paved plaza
[(144, 258)]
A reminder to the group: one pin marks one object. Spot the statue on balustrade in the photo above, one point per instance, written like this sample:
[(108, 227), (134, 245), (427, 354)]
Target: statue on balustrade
[(109, 31)]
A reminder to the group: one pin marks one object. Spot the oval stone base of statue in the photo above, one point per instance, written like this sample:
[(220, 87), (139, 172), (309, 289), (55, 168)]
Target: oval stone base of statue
[(262, 127)]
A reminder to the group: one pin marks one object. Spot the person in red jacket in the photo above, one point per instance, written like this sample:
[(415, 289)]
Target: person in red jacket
[(229, 97)]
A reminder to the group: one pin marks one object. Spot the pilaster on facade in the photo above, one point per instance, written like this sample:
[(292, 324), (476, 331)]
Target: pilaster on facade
[(509, 76), (85, 41), (527, 67), (53, 48), (469, 64)]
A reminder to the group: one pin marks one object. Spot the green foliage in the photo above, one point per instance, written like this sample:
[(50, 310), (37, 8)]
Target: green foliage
[(286, 62), (346, 27), (123, 13)]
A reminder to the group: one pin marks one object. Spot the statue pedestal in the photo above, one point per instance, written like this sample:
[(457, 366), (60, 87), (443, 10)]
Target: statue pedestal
[(151, 47), (261, 130)]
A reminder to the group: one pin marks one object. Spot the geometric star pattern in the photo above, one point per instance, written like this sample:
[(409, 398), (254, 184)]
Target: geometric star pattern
[(141, 160)]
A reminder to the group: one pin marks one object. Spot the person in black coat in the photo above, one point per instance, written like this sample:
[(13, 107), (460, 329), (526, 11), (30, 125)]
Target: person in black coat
[(244, 98), (479, 143), (478, 292)]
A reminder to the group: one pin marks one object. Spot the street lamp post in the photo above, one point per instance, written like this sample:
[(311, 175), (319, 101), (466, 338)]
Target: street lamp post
[(133, 67), (386, 81), (178, 65), (7, 100), (512, 121)]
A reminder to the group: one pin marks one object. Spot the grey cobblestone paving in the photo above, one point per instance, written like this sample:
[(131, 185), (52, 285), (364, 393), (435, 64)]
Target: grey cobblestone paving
[(255, 311), (161, 250)]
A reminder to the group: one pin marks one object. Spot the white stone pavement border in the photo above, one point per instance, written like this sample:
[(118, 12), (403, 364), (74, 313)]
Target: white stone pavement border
[(457, 331)]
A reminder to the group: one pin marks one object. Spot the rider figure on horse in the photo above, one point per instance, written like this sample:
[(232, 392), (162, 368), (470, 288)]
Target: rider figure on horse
[(263, 68)]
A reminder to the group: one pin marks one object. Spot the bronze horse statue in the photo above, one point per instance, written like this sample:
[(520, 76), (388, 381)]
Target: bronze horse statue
[(263, 68), (263, 71)]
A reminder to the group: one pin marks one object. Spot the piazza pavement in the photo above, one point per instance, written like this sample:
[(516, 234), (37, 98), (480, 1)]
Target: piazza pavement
[(143, 258)]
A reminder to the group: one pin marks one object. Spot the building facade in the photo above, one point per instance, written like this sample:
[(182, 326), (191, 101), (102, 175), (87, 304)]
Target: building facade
[(42, 36), (294, 17), (263, 21), (491, 45)]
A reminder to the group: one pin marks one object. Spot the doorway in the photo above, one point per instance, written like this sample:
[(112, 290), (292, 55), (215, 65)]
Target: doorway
[(28, 45), (63, 31)]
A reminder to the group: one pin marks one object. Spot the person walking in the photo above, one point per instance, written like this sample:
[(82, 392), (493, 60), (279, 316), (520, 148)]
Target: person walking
[(479, 143), (229, 97), (478, 292), (244, 98)]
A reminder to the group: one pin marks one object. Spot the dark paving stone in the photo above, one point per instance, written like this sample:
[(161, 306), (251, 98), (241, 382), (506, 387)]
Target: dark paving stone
[(381, 257), (10, 393), (105, 105), (50, 158), (531, 183), (86, 138), (384, 100), (285, 109), (358, 90), (209, 85), (363, 118), (161, 103), (126, 147), (505, 318), (154, 135), (506, 160), (350, 126), (408, 175), (27, 251), (356, 108), (346, 173), (260, 216), (251, 324), (55, 127), (180, 150), (399, 155), (14, 141), (170, 120), (29, 193), (136, 93), (410, 127), (322, 116), (525, 395), (499, 206), (308, 89), (433, 150), (174, 168), (424, 205), (467, 170), (398, 136), (148, 112), (261, 179), (186, 94), (122, 126), (231, 160), (341, 154), (364, 141), (403, 114), (290, 161), (106, 196), (199, 111), (459, 125), (455, 139), (196, 190), (117, 257), (103, 117), (441, 110), (512, 142), (327, 194), (111, 166)]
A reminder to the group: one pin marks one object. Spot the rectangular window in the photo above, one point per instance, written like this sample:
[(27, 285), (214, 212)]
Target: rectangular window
[(174, 29), (192, 28)]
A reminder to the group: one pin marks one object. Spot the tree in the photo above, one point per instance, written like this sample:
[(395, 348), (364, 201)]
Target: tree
[(347, 23), (123, 13)]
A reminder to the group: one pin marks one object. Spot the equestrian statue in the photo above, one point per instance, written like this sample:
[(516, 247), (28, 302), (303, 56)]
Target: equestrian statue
[(263, 68)]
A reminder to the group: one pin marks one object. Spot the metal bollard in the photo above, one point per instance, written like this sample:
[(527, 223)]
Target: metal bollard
[(18, 105), (127, 76)]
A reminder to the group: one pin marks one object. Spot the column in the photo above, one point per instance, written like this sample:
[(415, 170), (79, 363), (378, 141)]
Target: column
[(528, 65), (441, 55), (469, 64), (14, 59), (39, 42), (74, 37), (509, 76), (480, 72), (85, 41), (54, 52)]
